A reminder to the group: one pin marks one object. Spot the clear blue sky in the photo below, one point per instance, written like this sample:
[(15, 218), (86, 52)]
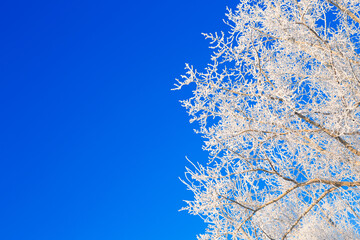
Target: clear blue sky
[(92, 140)]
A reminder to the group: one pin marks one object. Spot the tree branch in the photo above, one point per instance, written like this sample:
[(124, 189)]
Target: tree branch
[(308, 210), (345, 10), (338, 138)]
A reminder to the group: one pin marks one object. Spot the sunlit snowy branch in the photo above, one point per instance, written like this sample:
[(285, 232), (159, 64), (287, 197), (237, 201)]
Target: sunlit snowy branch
[(279, 108)]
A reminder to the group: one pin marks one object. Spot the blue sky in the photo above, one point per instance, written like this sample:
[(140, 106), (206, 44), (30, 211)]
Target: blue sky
[(92, 140)]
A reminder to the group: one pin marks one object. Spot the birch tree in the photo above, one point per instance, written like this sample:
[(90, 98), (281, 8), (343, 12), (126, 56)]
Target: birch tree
[(279, 108)]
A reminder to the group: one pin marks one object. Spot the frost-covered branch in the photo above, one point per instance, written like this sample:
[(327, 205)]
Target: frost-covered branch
[(278, 107)]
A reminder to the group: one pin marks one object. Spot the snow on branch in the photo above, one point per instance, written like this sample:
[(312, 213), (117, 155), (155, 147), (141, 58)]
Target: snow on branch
[(278, 107)]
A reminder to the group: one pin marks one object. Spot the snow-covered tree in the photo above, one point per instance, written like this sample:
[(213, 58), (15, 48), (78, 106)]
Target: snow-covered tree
[(279, 108)]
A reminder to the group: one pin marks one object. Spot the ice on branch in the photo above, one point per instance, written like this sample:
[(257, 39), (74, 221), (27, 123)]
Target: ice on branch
[(279, 108)]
